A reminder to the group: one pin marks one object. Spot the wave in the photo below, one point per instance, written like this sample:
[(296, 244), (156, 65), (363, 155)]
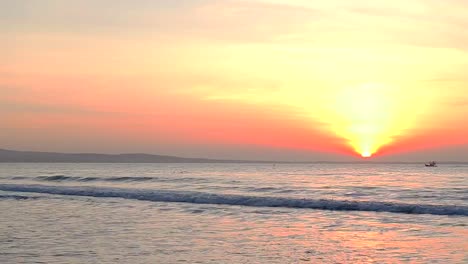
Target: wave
[(240, 200), (87, 179), (15, 197), (64, 178)]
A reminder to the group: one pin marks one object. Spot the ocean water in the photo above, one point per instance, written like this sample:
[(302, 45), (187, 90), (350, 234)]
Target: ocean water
[(233, 213)]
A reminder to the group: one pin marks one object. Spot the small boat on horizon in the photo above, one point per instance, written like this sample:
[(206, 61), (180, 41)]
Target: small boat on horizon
[(431, 164)]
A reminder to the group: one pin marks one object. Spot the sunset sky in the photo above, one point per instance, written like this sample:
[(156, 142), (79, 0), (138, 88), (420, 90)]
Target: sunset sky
[(243, 79)]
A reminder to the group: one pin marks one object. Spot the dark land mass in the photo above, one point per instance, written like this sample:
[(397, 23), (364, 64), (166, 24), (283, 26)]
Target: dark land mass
[(13, 156), (34, 156)]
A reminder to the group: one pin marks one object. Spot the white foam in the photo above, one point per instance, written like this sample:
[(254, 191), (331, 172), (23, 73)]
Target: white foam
[(241, 200)]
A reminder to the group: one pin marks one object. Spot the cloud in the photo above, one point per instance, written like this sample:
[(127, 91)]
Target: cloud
[(209, 19)]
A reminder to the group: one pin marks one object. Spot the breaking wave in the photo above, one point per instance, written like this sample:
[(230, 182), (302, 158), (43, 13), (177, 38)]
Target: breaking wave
[(15, 197), (241, 200), (88, 179), (64, 178)]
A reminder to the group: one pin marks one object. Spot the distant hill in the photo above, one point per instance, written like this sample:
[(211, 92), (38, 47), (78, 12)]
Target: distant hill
[(33, 156), (51, 157)]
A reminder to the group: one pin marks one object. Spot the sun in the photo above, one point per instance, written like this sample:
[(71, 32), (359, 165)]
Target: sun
[(366, 154), (368, 116)]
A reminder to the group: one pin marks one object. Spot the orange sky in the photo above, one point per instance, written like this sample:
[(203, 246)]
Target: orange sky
[(236, 79)]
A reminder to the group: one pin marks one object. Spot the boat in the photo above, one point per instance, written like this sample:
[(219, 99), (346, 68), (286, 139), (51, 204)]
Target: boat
[(431, 164)]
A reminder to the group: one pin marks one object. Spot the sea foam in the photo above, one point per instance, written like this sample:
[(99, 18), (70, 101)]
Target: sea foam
[(240, 200)]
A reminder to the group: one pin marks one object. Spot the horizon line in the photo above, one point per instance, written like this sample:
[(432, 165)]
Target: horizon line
[(208, 160)]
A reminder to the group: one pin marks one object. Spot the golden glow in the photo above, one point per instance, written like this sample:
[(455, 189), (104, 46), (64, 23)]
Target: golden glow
[(371, 115), (368, 116)]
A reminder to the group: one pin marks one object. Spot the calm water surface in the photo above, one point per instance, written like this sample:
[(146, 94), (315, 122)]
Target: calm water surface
[(233, 213)]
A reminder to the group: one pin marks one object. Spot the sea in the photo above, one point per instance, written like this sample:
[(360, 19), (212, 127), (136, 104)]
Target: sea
[(233, 213)]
